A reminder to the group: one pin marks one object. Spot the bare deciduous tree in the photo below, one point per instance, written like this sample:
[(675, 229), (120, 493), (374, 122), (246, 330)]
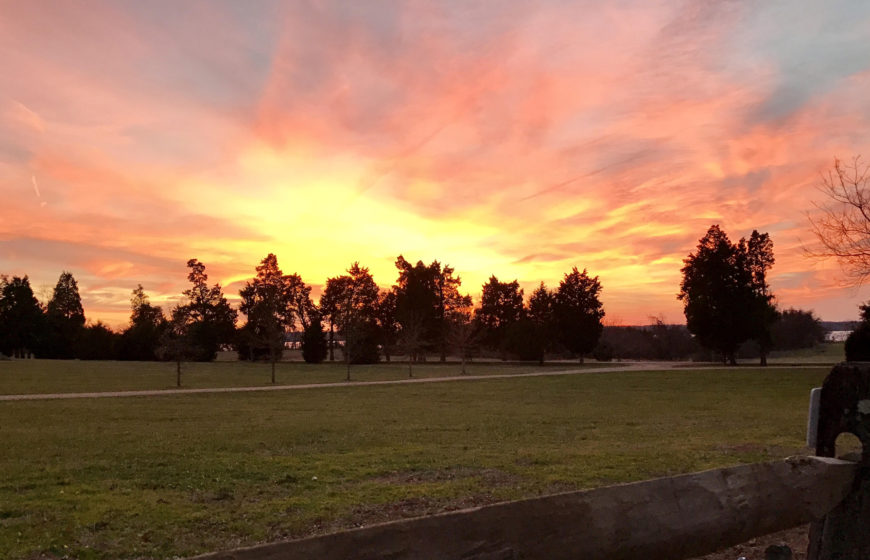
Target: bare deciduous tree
[(412, 338), (462, 336), (842, 223)]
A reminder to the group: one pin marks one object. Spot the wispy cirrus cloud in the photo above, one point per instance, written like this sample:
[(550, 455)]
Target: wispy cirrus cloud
[(520, 139)]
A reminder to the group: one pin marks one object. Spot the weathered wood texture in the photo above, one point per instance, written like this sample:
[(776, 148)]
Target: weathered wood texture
[(844, 406), (672, 518)]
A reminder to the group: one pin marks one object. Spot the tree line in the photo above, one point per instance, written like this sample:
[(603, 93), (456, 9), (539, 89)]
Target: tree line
[(729, 307), (422, 315)]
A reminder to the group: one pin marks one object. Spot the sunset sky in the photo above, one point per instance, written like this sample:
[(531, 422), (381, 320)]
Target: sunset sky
[(510, 138)]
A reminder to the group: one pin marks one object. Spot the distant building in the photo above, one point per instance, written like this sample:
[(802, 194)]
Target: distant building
[(837, 336), (293, 340)]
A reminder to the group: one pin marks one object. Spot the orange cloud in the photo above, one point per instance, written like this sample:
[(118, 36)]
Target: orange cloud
[(519, 141)]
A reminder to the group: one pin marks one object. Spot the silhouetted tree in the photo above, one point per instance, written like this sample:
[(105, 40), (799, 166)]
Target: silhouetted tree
[(501, 304), (541, 315), (578, 312), (417, 301), (412, 337), (269, 305), (462, 332), (724, 292), (757, 253), (429, 293), (388, 324), (298, 297), (351, 302), (65, 319), (314, 341), (21, 317), (797, 328), (211, 321), (333, 293), (140, 339), (177, 342)]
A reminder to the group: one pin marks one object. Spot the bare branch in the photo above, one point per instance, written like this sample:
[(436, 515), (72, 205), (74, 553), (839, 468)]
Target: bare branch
[(842, 223)]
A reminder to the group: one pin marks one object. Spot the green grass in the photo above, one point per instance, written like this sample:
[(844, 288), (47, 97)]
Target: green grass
[(826, 353), (157, 477), (73, 376)]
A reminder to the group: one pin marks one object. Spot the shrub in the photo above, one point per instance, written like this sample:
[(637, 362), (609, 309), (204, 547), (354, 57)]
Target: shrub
[(314, 347)]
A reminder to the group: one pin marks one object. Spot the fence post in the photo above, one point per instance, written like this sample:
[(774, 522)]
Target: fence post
[(844, 534)]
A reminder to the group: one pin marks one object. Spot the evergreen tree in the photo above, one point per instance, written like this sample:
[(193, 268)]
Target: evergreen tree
[(388, 324), (21, 317), (207, 315), (501, 304), (578, 312), (141, 338), (314, 341), (350, 303), (65, 319), (541, 315), (428, 293), (725, 294), (266, 305)]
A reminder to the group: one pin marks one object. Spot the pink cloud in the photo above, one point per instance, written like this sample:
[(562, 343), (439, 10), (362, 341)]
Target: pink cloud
[(607, 136)]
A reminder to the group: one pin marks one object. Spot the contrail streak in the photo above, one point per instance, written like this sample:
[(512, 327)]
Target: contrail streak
[(36, 189)]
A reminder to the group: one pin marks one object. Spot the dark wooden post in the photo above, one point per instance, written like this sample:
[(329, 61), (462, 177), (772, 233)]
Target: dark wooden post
[(844, 534)]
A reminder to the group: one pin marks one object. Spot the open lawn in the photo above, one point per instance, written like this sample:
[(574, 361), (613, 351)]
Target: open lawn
[(183, 474), (74, 376), (825, 353)]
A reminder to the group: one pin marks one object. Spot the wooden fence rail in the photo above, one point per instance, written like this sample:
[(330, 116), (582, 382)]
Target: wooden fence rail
[(677, 517)]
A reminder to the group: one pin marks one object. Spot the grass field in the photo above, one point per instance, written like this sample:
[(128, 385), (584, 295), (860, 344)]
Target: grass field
[(182, 474), (827, 353), (73, 376)]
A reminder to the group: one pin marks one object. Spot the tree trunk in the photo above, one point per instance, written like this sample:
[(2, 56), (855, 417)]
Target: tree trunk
[(764, 359), (581, 359), (463, 363), (331, 342), (273, 367), (732, 358), (410, 361), (178, 373)]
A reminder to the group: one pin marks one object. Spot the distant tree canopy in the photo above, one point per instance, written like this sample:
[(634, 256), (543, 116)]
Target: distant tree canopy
[(797, 328), (657, 341), (423, 312), (725, 293)]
